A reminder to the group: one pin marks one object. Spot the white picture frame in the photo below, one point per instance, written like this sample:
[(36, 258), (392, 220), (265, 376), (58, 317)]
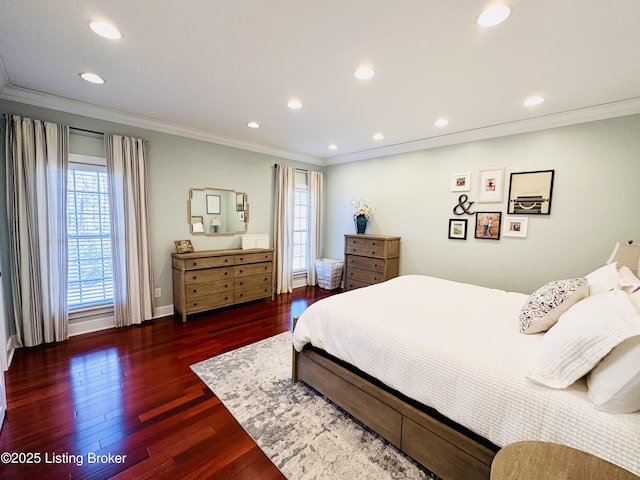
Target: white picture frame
[(461, 182), (515, 227), (490, 186)]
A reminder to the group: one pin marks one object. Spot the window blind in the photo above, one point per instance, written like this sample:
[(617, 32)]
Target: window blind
[(90, 277)]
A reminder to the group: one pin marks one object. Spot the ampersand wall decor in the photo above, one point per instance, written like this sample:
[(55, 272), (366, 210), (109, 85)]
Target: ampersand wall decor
[(463, 206)]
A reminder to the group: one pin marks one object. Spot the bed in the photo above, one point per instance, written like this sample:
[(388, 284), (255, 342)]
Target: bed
[(441, 370)]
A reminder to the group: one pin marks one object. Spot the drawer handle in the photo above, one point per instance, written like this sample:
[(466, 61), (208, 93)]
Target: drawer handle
[(226, 260), (226, 298), (241, 283), (373, 252), (241, 270), (195, 304), (226, 286), (241, 259), (194, 277), (242, 294), (195, 291), (195, 263)]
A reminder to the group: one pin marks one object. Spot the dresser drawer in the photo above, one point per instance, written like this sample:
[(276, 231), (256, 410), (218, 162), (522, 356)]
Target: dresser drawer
[(215, 300), (202, 262), (350, 284), (198, 290), (364, 246), (365, 263), (248, 293), (252, 269), (365, 276), (251, 281), (208, 275), (253, 257)]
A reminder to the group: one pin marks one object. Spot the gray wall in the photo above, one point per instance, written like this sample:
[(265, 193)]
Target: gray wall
[(595, 203)]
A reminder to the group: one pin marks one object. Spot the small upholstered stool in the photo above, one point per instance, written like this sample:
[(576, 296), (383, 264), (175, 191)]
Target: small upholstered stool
[(550, 461)]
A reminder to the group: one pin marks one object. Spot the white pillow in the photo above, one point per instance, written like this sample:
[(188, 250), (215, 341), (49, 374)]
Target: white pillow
[(544, 306), (583, 335), (603, 279), (627, 280), (614, 385)]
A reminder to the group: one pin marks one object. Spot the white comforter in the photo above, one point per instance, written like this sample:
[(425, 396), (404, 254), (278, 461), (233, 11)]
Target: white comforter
[(456, 347)]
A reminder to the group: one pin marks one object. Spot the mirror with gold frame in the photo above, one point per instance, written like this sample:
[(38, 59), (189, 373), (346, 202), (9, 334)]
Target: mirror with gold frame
[(217, 211)]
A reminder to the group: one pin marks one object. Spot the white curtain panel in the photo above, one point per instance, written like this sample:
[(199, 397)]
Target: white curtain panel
[(128, 201), (315, 224), (36, 169), (283, 228)]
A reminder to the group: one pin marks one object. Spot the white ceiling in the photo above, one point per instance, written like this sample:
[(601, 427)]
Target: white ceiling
[(204, 68)]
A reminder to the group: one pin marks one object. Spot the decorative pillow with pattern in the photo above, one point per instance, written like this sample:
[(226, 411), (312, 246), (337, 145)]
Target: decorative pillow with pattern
[(545, 305)]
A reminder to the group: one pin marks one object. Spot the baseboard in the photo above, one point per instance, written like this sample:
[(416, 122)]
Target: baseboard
[(94, 324), (164, 311)]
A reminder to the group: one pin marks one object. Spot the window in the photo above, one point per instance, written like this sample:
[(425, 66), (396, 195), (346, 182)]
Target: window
[(301, 229), (90, 278)]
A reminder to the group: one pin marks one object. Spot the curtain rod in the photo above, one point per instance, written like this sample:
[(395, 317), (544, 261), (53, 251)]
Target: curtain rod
[(86, 131), (297, 169)]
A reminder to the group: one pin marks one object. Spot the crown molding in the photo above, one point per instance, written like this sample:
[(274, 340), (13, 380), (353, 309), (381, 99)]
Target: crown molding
[(572, 117), (582, 115), (45, 100)]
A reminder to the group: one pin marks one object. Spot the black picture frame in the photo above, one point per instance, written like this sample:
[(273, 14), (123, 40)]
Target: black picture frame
[(458, 228), (488, 225), (530, 193)]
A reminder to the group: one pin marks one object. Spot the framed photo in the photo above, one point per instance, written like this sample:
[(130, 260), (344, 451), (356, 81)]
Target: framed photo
[(458, 229), (530, 192), (515, 227), (183, 246), (490, 188), (488, 225), (460, 182), (213, 204)]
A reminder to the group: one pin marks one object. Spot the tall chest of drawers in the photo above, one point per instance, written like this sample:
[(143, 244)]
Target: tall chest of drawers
[(219, 278), (370, 259)]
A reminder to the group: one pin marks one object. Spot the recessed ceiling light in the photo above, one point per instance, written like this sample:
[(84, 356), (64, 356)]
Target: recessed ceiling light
[(92, 78), (494, 15), (253, 125), (378, 136), (333, 146), (105, 30), (364, 73), (441, 122), (533, 101), (294, 104)]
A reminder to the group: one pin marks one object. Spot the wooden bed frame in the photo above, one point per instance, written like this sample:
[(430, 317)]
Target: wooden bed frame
[(443, 447)]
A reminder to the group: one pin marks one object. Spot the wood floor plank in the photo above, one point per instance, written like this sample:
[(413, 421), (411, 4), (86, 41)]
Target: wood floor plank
[(130, 392)]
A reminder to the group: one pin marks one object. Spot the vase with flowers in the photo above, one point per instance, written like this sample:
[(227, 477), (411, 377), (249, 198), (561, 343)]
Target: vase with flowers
[(362, 210)]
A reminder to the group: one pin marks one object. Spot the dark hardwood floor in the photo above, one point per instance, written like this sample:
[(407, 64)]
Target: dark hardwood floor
[(123, 403)]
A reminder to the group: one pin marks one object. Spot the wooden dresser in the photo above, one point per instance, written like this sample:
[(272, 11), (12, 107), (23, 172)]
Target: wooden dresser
[(370, 259), (219, 278)]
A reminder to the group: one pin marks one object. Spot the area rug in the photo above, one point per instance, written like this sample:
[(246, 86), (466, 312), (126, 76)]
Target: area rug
[(305, 436)]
